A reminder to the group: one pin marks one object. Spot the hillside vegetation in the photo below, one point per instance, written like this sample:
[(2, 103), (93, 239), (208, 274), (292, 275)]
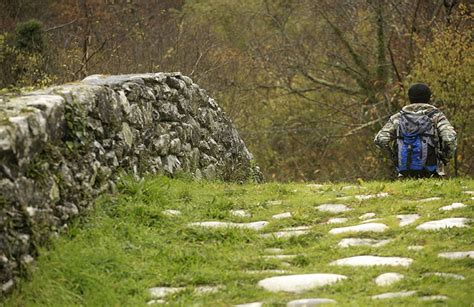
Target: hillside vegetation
[(128, 244), (307, 83)]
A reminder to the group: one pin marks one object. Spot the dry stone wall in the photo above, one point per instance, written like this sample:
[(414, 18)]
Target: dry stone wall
[(63, 146)]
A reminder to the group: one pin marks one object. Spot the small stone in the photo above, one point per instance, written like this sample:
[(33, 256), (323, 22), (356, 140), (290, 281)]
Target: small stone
[(452, 207), (424, 200), (296, 228), (369, 196), (284, 234), (333, 208), (273, 250), (170, 212), (315, 186), (274, 202), (299, 283), (350, 187), (367, 216), (337, 220), (27, 259), (207, 289), (434, 298), (282, 216), (310, 302), (388, 279), (444, 223), (448, 275), (348, 242), (393, 295), (31, 211), (372, 261), (370, 227), (457, 255), (279, 257), (160, 292), (6, 287), (240, 213), (468, 192), (407, 219), (254, 304), (415, 247), (127, 134), (253, 226)]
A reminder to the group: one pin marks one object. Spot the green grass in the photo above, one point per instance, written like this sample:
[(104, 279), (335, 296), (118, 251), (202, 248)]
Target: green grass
[(126, 245)]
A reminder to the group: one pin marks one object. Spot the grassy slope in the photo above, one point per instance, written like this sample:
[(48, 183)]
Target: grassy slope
[(126, 245)]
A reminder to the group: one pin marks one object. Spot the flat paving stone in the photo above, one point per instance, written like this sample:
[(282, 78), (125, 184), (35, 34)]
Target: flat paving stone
[(337, 220), (447, 275), (333, 208), (367, 260), (280, 216), (213, 224), (457, 255), (407, 219), (444, 223), (284, 234), (389, 295), (388, 279), (453, 206), (310, 302), (254, 304), (425, 200), (369, 196), (171, 212), (274, 202), (415, 247), (299, 283), (273, 250), (367, 216), (434, 298), (156, 302), (240, 213), (369, 227), (161, 292), (348, 242)]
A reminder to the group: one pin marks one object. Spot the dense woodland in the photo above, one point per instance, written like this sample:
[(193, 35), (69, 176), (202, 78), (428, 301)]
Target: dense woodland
[(307, 83)]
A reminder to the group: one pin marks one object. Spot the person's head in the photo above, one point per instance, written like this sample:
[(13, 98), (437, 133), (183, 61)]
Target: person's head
[(419, 93)]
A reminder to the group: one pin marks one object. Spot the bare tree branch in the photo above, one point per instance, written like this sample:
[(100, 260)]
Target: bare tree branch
[(62, 26)]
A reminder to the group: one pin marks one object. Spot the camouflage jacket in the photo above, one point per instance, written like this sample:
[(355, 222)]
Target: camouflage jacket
[(386, 137)]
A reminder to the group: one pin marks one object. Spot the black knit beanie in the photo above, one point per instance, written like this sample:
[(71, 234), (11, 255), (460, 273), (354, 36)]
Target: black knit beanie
[(419, 93)]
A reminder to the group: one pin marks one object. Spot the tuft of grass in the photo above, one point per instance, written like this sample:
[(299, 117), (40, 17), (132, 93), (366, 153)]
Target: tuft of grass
[(126, 245)]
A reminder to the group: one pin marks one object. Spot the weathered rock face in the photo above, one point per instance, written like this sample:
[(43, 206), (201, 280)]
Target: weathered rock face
[(61, 147)]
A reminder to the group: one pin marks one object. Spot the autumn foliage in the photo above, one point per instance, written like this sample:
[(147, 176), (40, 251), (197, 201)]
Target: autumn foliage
[(308, 83)]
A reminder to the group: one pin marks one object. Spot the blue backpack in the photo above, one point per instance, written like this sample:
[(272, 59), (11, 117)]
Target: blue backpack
[(417, 144)]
